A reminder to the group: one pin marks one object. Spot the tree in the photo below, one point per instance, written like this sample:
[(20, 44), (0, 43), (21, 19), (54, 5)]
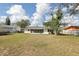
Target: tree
[(47, 24), (23, 23), (55, 22), (8, 21)]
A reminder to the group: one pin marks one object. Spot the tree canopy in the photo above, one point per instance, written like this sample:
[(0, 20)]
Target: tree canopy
[(8, 21), (55, 21), (23, 23)]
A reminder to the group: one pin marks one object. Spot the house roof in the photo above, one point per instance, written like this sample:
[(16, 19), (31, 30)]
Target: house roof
[(71, 28), (34, 27), (37, 27)]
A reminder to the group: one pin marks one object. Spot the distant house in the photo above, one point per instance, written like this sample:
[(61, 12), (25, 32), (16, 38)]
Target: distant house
[(7, 29), (37, 30), (71, 30)]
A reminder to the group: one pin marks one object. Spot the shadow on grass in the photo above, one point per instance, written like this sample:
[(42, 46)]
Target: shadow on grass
[(4, 34), (66, 35), (69, 35)]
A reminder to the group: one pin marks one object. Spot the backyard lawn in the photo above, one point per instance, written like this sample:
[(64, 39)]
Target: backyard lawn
[(38, 44)]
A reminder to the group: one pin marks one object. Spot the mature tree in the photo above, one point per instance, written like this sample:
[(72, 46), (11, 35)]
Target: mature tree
[(55, 21), (23, 23), (7, 21), (47, 24)]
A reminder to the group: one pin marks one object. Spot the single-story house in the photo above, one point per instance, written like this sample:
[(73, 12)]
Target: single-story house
[(47, 30), (71, 30), (37, 30), (7, 29)]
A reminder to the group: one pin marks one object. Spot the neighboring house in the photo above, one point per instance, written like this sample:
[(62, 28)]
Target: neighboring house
[(43, 30), (7, 29), (71, 30), (37, 30)]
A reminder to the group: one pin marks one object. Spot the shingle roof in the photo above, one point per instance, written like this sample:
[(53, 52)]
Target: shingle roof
[(37, 27), (73, 27), (34, 27)]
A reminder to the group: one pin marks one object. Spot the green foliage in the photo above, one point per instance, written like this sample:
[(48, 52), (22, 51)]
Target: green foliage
[(55, 21), (47, 24), (23, 23), (7, 21)]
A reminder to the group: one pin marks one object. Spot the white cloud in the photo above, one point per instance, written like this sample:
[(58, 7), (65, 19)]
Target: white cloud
[(71, 20), (15, 18), (42, 8), (17, 13), (2, 19), (16, 9), (77, 8), (38, 16), (55, 9), (48, 18), (64, 9), (70, 6)]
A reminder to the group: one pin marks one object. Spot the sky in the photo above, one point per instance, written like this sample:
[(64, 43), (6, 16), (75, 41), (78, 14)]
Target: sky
[(30, 8), (36, 13)]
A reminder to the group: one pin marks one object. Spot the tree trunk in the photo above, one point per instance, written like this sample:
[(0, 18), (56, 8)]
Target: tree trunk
[(56, 32)]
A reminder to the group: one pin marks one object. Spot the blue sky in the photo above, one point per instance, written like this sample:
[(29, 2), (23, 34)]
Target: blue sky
[(37, 13), (30, 8)]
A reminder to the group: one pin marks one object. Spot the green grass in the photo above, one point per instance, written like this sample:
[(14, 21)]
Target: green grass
[(40, 44)]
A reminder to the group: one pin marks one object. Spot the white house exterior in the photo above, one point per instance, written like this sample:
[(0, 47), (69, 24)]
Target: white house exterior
[(36, 30), (7, 29), (71, 30)]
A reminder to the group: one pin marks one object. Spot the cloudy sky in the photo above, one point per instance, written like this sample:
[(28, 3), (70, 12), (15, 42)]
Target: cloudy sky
[(36, 13)]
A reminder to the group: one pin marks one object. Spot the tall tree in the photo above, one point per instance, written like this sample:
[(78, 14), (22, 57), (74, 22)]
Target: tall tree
[(23, 23), (8, 21), (55, 22), (47, 24)]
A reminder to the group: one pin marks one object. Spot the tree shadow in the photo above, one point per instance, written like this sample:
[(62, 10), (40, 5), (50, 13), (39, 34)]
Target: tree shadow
[(5, 34)]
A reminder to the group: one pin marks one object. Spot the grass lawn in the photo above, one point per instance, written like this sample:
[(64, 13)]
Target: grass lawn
[(38, 44)]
